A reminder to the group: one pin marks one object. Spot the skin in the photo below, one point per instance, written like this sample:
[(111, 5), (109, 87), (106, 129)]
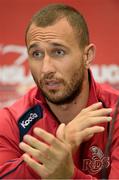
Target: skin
[(61, 71), (53, 62)]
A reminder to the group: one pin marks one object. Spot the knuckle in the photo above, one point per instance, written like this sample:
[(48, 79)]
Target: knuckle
[(46, 150), (87, 131), (31, 163), (53, 140), (37, 154)]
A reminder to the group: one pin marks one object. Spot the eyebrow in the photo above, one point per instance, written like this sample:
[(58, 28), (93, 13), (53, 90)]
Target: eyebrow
[(54, 44), (57, 44), (32, 46)]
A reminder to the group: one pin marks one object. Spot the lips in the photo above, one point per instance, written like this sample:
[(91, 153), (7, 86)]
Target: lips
[(52, 84)]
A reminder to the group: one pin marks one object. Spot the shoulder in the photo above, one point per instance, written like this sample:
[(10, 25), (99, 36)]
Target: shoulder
[(17, 119), (16, 110)]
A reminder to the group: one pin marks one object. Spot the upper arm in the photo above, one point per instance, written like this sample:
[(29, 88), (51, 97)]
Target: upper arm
[(9, 136)]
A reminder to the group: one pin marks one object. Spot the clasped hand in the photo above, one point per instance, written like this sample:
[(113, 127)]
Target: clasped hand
[(52, 158)]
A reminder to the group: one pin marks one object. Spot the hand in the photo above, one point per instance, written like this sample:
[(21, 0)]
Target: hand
[(85, 125), (53, 158)]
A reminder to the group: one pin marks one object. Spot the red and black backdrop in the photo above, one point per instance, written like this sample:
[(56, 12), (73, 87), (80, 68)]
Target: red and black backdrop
[(103, 20)]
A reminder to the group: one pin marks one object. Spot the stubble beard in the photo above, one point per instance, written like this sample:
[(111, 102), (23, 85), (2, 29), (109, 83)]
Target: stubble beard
[(71, 89)]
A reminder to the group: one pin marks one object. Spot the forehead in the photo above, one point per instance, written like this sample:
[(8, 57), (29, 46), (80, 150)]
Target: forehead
[(61, 31)]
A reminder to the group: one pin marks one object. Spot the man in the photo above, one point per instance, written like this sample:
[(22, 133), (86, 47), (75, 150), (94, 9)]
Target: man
[(59, 129)]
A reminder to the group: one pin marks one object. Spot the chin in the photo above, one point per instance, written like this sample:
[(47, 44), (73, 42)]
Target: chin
[(60, 100)]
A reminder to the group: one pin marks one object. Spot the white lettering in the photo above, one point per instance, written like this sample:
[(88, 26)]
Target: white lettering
[(14, 74), (21, 50), (106, 73), (25, 123)]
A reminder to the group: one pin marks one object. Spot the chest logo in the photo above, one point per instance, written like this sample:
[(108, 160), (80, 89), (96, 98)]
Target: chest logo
[(97, 162)]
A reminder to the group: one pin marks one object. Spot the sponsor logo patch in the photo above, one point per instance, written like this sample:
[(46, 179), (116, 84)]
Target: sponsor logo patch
[(28, 119)]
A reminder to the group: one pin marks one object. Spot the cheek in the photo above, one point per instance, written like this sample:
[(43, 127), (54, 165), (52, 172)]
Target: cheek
[(72, 71), (66, 75), (68, 70), (35, 69)]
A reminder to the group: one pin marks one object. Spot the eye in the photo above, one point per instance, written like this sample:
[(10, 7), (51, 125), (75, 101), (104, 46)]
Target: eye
[(59, 52), (37, 54)]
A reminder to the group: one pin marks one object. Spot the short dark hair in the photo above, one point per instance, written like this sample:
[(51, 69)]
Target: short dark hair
[(54, 12)]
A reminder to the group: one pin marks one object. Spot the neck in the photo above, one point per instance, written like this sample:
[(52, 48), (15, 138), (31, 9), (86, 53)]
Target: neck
[(74, 107)]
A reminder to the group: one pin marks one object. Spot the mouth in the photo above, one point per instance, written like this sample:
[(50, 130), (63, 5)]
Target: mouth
[(52, 84)]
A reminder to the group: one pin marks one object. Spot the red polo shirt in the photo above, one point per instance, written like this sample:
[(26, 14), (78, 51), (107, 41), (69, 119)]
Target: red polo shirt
[(31, 111)]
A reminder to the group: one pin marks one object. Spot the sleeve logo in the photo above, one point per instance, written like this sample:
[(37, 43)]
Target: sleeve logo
[(26, 122), (28, 119)]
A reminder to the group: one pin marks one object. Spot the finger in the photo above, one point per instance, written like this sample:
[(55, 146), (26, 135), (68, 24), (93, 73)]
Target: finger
[(38, 155), (92, 130), (38, 168), (28, 149), (93, 121), (101, 112), (93, 107), (47, 137), (85, 135), (97, 120), (37, 144)]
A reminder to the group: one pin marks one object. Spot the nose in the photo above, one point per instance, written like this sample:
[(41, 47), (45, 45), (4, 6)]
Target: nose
[(47, 65)]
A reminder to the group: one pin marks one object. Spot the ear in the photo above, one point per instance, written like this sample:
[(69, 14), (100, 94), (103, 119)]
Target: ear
[(89, 55)]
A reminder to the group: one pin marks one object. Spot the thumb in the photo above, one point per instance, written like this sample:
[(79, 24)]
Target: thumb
[(60, 133)]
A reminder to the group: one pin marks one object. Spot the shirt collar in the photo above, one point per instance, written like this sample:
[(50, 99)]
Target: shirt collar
[(92, 90)]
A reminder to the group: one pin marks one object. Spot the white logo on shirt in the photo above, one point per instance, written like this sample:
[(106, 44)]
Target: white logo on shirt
[(97, 162), (26, 122)]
